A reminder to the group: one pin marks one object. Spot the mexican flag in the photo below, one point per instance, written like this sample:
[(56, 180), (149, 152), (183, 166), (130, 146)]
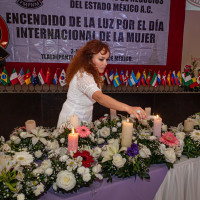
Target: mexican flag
[(14, 77)]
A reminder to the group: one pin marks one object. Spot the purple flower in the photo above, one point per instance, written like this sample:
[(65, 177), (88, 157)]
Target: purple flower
[(133, 150)]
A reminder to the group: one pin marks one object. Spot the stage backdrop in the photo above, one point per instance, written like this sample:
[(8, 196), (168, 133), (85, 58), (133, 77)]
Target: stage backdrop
[(42, 33)]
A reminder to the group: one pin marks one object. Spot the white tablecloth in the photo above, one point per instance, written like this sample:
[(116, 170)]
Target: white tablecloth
[(181, 182)]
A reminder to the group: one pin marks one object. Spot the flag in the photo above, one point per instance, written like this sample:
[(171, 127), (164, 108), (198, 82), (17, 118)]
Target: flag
[(106, 78), (168, 81), (4, 77), (41, 77), (179, 77), (148, 79), (27, 77), (187, 79), (21, 76), (138, 77), (116, 80), (0, 78), (126, 78), (154, 79), (143, 79), (132, 80), (159, 77), (62, 78), (194, 84), (111, 75), (163, 81), (121, 77), (48, 77), (177, 80), (34, 78), (173, 81), (13, 77), (55, 78)]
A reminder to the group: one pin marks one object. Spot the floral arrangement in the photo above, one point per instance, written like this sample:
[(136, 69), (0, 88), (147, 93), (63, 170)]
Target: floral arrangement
[(31, 163)]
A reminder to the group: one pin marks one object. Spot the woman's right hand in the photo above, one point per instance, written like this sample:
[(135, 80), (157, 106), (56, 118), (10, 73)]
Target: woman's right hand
[(138, 112)]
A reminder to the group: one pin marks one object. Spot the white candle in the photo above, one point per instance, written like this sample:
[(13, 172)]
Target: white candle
[(188, 125), (74, 121), (30, 124), (72, 141), (113, 114), (157, 126), (127, 133), (148, 111)]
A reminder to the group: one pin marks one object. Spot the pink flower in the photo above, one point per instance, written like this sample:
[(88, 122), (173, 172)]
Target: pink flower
[(169, 139), (83, 131)]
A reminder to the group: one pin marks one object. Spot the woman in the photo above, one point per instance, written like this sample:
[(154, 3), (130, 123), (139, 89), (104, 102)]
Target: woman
[(84, 81)]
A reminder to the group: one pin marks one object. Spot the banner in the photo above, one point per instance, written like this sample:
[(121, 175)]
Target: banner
[(52, 31)]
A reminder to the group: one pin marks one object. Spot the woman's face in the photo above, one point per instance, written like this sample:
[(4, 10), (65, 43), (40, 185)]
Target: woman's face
[(100, 60)]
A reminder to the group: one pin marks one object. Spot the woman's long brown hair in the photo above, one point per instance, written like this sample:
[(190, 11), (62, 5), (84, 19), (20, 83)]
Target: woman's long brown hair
[(83, 61)]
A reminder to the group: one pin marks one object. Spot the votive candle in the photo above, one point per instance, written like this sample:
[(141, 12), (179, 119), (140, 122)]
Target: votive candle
[(127, 133), (157, 126), (30, 125), (73, 141), (188, 125)]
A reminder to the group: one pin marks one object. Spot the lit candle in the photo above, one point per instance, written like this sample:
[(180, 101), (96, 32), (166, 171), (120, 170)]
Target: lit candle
[(127, 133), (113, 114), (30, 125), (188, 125), (157, 126), (72, 141), (148, 111), (74, 121)]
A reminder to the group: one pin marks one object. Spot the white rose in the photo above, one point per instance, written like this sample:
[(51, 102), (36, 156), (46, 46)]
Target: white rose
[(145, 152), (38, 171), (48, 171), (114, 129), (97, 123), (62, 140), (86, 177), (39, 189), (162, 148), (144, 122), (20, 196), (195, 135), (38, 154), (52, 145), (96, 169), (99, 176), (15, 139), (170, 155), (180, 135), (100, 141), (55, 186), (81, 170), (119, 124), (118, 161), (46, 164), (105, 132), (164, 128), (178, 151), (96, 152), (63, 158), (66, 180), (151, 138)]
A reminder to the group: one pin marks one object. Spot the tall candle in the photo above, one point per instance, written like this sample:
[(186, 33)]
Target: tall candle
[(188, 125), (113, 114), (127, 133), (157, 126), (30, 124), (72, 141), (148, 111), (74, 121)]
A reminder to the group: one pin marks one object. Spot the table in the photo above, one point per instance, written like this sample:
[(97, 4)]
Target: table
[(119, 189), (182, 182)]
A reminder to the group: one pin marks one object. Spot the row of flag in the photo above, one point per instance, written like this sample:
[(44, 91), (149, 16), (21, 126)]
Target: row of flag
[(28, 77), (155, 79), (172, 78)]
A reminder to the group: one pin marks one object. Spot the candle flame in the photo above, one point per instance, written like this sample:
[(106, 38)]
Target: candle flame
[(157, 116), (127, 120), (72, 130)]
